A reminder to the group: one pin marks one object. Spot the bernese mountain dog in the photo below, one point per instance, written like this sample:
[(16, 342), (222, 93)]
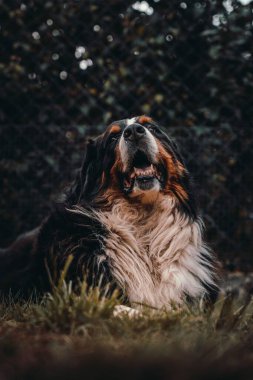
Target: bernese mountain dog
[(129, 221)]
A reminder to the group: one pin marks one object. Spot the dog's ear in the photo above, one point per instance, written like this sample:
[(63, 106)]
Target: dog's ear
[(87, 182)]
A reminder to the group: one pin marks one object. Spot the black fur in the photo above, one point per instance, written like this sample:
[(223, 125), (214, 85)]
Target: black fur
[(33, 259), (37, 258)]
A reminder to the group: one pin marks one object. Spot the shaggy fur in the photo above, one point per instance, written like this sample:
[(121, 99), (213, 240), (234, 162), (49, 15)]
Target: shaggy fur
[(129, 221)]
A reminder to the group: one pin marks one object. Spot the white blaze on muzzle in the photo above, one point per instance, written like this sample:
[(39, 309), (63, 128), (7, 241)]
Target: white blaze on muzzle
[(131, 121), (147, 144)]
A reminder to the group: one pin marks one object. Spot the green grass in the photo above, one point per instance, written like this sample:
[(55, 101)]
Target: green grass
[(88, 313), (64, 324)]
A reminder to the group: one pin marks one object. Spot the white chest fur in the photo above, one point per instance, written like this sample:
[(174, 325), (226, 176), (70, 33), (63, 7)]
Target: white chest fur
[(156, 255)]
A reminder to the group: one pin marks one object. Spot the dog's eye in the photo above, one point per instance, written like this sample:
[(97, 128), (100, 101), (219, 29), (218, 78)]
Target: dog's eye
[(114, 136), (154, 129)]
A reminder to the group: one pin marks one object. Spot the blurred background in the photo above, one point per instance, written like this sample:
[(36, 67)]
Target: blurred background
[(69, 68)]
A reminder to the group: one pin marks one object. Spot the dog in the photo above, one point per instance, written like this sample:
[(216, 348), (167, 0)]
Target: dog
[(128, 221)]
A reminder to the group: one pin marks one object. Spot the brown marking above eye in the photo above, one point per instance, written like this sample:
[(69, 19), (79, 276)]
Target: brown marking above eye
[(115, 128), (144, 119)]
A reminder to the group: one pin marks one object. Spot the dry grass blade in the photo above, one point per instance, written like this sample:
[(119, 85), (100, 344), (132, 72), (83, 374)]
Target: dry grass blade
[(226, 314)]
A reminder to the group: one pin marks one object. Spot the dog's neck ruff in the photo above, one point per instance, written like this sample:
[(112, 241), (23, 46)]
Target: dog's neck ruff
[(156, 254)]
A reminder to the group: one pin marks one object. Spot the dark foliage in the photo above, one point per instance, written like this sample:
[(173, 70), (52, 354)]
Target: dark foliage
[(69, 68)]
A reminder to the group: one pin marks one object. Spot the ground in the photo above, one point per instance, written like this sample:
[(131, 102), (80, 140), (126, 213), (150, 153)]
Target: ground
[(70, 336)]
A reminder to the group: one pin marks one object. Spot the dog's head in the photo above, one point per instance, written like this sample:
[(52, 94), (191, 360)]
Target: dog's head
[(133, 159)]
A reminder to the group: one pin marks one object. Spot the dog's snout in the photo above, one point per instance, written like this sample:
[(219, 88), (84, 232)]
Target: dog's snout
[(134, 132)]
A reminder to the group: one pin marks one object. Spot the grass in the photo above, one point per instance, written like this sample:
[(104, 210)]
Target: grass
[(70, 334)]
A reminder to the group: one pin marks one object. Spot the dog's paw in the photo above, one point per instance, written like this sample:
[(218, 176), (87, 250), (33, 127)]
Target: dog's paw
[(121, 311)]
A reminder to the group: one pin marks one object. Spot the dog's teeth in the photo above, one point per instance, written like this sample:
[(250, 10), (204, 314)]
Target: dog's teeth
[(150, 171)]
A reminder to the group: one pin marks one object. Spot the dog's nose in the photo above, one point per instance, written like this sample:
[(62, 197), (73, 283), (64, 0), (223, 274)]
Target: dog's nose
[(134, 132)]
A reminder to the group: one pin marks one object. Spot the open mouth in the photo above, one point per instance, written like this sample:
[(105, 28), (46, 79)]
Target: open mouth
[(143, 173)]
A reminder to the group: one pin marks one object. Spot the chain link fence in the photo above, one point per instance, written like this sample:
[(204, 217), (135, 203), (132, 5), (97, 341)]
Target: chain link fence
[(68, 68)]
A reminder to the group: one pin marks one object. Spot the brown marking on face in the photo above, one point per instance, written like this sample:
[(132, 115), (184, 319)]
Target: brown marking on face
[(117, 166), (103, 179), (115, 128), (109, 197), (144, 119), (179, 190), (180, 168), (113, 192), (167, 159), (175, 170)]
